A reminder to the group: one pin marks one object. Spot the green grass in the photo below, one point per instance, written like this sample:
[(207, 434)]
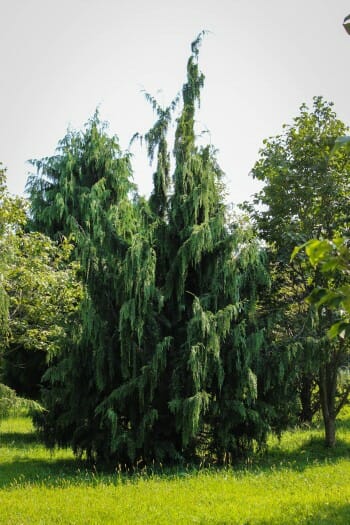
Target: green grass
[(298, 481)]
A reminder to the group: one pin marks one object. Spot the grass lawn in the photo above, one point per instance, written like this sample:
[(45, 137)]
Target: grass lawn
[(299, 481)]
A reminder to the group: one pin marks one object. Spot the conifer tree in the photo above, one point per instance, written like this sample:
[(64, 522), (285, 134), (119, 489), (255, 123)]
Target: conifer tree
[(85, 191), (166, 358), (210, 293), (212, 275)]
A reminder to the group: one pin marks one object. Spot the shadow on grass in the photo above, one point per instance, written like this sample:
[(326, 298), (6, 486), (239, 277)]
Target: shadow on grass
[(21, 466), (17, 440), (23, 471), (326, 514), (332, 514), (310, 451), (312, 448)]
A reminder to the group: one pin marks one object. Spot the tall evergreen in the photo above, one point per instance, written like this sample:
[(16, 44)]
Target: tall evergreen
[(166, 357), (210, 292), (85, 191)]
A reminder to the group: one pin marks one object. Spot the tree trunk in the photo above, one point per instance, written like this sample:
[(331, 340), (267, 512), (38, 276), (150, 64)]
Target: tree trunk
[(329, 426), (328, 384)]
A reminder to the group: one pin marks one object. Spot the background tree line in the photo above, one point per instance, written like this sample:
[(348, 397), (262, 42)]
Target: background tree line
[(168, 328)]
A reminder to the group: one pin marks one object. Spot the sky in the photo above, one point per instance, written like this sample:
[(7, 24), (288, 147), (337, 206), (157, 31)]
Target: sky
[(261, 59)]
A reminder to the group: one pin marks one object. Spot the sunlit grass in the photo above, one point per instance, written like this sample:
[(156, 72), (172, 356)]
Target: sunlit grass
[(298, 481)]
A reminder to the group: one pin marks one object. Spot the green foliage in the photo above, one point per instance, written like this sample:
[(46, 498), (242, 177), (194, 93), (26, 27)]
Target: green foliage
[(210, 277), (10, 403), (332, 258), (341, 142), (39, 294), (305, 195), (8, 219), (43, 294), (304, 182), (166, 356), (92, 383)]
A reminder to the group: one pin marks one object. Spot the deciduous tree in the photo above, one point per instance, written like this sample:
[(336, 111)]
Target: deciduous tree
[(39, 295), (305, 195)]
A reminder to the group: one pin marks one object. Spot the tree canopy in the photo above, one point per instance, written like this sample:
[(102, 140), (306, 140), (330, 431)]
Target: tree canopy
[(39, 293), (305, 195)]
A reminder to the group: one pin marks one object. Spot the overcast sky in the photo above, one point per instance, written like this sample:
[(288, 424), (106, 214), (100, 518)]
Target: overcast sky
[(262, 60)]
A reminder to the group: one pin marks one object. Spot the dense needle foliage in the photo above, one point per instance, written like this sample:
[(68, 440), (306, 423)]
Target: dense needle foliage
[(87, 193), (210, 289), (164, 362)]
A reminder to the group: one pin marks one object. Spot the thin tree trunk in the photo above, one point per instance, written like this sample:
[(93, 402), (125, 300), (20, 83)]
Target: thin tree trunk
[(327, 386), (329, 426)]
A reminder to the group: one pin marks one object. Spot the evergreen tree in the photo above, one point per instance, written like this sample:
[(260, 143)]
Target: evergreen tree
[(210, 276), (85, 192), (210, 291), (166, 356)]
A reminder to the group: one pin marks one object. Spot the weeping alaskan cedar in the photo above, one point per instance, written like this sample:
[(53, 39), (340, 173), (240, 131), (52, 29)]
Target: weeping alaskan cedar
[(165, 361), (85, 191)]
